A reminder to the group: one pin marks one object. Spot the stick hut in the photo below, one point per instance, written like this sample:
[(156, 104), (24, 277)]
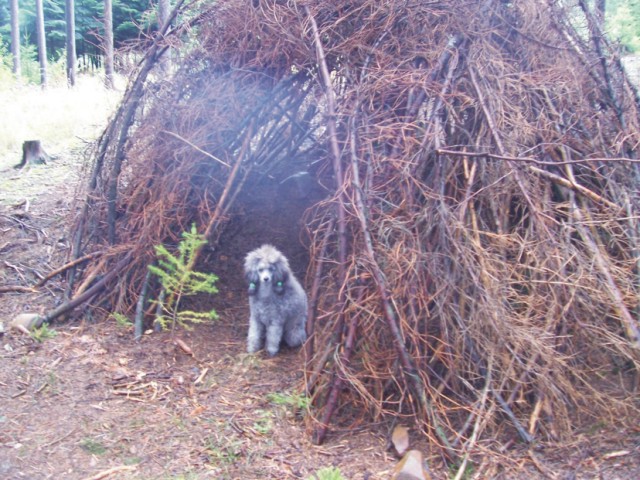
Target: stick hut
[(474, 255)]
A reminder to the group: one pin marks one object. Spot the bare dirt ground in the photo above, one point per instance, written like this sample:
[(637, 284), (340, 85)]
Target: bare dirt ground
[(91, 403)]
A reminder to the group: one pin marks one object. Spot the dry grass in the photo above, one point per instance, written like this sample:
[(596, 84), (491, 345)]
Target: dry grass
[(62, 118), (66, 120)]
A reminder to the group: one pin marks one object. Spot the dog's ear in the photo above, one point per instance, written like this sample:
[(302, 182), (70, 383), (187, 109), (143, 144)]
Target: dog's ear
[(280, 277), (254, 282)]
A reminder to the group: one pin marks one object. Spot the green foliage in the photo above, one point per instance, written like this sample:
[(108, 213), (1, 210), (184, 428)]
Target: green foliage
[(132, 460), (122, 320), (467, 473), (623, 22), (6, 77), (222, 452), (29, 63), (327, 473), (93, 447), (296, 401), (43, 333), (130, 18), (264, 422), (29, 66), (179, 280), (295, 405)]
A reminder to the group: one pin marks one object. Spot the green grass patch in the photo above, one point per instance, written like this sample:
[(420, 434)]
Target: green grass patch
[(93, 447), (327, 473)]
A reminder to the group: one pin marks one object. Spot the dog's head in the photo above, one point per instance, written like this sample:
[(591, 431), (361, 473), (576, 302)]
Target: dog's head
[(266, 267)]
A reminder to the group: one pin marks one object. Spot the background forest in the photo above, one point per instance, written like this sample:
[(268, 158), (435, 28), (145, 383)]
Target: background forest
[(131, 20)]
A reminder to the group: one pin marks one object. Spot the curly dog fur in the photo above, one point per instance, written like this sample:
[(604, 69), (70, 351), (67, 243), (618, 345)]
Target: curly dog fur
[(277, 301)]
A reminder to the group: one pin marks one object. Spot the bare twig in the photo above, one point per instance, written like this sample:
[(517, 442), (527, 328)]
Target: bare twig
[(111, 471), (628, 322), (212, 157), (581, 161)]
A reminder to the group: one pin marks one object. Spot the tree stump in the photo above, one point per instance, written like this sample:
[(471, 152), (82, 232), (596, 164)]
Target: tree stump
[(33, 153)]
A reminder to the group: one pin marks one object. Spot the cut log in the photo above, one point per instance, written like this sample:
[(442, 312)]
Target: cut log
[(33, 153)]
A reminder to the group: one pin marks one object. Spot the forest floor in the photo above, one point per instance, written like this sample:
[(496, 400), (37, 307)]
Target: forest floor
[(84, 401)]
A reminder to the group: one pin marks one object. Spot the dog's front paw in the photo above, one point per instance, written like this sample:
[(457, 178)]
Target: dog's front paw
[(253, 347)]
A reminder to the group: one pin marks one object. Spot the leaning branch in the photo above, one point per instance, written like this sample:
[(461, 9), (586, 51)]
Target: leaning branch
[(67, 266), (333, 142), (49, 276), (89, 293), (628, 322), (455, 153)]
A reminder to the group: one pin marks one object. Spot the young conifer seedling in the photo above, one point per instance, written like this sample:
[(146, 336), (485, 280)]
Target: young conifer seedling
[(180, 280)]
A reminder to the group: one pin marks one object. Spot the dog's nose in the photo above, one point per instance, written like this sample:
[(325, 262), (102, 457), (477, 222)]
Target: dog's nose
[(265, 279)]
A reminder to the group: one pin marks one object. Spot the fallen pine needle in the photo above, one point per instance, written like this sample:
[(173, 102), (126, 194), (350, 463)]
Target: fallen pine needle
[(619, 453)]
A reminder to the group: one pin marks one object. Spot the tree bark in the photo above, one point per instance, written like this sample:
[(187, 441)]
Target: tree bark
[(600, 8), (70, 19), (108, 44), (42, 44), (164, 10), (15, 38)]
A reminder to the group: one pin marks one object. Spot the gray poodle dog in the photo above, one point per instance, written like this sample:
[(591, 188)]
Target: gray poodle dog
[(277, 301)]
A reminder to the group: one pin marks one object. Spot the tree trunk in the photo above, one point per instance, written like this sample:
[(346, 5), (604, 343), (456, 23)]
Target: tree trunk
[(599, 11), (71, 42), (33, 153), (42, 44), (15, 38), (108, 44), (164, 10), (600, 7)]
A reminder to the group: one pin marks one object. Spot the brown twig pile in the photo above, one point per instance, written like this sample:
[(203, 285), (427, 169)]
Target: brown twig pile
[(477, 265)]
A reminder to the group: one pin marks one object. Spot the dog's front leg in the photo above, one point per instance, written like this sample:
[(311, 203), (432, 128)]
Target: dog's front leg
[(274, 337), (255, 336)]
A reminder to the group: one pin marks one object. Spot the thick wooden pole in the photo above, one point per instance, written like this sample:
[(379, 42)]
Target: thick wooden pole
[(15, 38), (42, 44), (70, 19)]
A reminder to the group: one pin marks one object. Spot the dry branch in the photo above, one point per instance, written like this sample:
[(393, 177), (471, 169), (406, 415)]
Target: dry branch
[(314, 294), (89, 293), (67, 266), (16, 288), (630, 324), (330, 95), (50, 275)]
